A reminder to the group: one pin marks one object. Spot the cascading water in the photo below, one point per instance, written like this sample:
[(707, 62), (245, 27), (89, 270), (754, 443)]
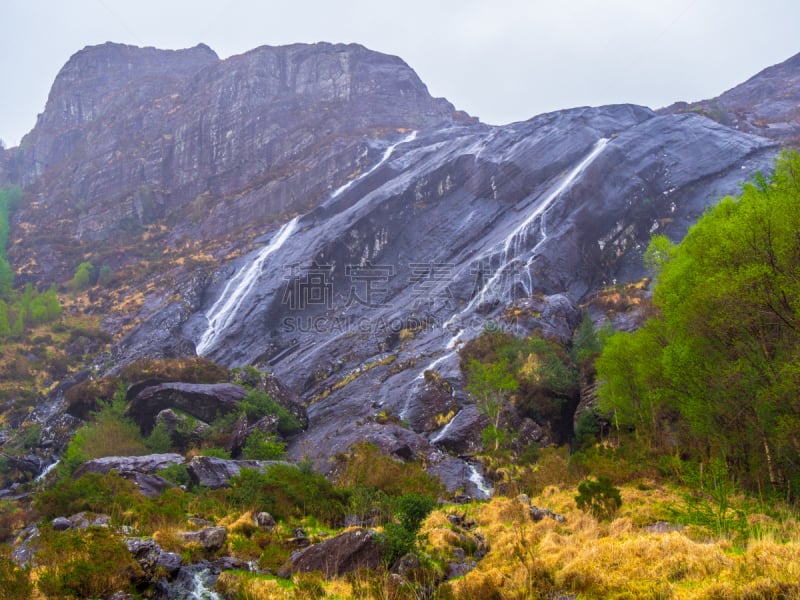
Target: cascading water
[(225, 308), (515, 247), (516, 243), (387, 154)]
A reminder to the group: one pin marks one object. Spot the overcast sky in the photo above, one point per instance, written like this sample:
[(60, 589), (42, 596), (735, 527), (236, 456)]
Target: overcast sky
[(504, 60)]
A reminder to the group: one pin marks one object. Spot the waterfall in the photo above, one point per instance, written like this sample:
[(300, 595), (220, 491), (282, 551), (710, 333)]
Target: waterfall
[(480, 483), (227, 305), (386, 156), (202, 579), (516, 243), (444, 430), (46, 471)]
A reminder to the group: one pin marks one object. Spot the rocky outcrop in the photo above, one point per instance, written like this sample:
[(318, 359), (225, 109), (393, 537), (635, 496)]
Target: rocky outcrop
[(767, 104), (132, 137), (415, 228), (141, 470), (203, 401), (213, 473), (347, 552), (81, 520), (147, 464)]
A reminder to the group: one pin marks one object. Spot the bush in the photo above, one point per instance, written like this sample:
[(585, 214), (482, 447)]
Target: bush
[(598, 497), (15, 582), (92, 563), (286, 492), (257, 405), (263, 446)]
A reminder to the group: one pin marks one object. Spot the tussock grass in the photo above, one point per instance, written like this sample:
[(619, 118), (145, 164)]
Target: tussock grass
[(620, 559)]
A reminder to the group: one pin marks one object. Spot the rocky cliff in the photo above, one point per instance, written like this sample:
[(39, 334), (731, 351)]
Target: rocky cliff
[(317, 214), (767, 104), (133, 140)]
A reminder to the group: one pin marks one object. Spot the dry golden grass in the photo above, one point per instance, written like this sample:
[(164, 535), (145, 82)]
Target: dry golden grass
[(620, 559)]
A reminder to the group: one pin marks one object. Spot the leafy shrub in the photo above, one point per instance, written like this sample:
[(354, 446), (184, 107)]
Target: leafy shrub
[(91, 492), (285, 492), (92, 563), (366, 466), (598, 497), (263, 446), (260, 404), (15, 581)]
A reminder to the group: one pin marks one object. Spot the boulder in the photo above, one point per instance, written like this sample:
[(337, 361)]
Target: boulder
[(139, 469), (204, 401), (210, 538), (265, 520), (61, 524), (151, 486), (148, 464), (152, 558), (347, 552), (213, 473), (181, 429)]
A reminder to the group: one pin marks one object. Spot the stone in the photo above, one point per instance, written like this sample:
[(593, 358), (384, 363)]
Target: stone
[(210, 538), (347, 552), (214, 473), (148, 464), (61, 524), (204, 401), (169, 562), (264, 520), (537, 514)]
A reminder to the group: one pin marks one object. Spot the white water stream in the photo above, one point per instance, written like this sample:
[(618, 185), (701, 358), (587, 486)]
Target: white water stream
[(387, 154), (225, 308)]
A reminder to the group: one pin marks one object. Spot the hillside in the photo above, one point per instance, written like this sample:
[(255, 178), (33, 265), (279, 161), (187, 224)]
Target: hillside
[(292, 282)]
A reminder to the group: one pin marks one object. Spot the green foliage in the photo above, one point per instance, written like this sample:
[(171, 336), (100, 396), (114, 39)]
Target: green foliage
[(214, 452), (93, 563), (14, 581), (82, 279), (177, 474), (260, 404), (91, 492), (395, 542), (400, 537), (263, 446), (110, 434), (717, 369), (598, 497), (367, 467), (533, 375), (159, 440), (287, 492), (709, 504)]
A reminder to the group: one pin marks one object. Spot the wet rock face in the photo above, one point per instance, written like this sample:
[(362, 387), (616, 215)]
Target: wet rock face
[(406, 245), (767, 104), (136, 136)]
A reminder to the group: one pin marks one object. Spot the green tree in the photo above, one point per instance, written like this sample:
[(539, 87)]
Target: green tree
[(82, 278), (489, 384), (724, 350), (6, 276)]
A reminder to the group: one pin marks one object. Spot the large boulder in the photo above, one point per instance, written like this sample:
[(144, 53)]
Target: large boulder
[(347, 552), (148, 464), (213, 473), (210, 538), (139, 469), (204, 401)]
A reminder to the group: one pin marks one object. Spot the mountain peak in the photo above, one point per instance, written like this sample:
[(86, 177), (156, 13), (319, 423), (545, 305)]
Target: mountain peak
[(767, 104)]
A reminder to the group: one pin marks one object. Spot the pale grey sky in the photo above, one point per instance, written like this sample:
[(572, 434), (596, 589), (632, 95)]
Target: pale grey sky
[(500, 60)]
